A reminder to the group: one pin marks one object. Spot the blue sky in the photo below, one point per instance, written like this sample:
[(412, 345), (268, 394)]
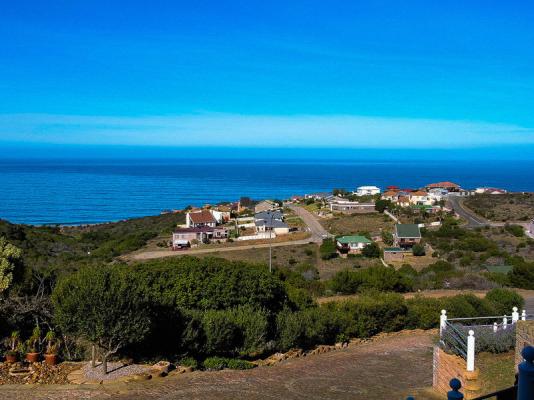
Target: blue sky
[(414, 74)]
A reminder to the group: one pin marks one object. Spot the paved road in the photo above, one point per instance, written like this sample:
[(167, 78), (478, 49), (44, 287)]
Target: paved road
[(316, 229), (389, 368), (473, 221)]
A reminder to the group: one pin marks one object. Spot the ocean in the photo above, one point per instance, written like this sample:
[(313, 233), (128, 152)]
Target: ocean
[(100, 190)]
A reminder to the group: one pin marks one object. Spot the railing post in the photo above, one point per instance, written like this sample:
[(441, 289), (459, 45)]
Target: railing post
[(454, 394), (504, 323), (471, 351), (442, 321), (515, 315), (525, 384), (495, 327), (524, 315)]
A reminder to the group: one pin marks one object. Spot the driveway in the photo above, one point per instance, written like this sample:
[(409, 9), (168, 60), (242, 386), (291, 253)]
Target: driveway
[(391, 367), (316, 229)]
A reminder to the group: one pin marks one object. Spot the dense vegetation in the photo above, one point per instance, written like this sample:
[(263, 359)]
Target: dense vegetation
[(503, 207)]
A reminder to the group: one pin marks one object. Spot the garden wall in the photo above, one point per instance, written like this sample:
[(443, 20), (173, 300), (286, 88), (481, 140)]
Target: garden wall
[(448, 366), (524, 336)]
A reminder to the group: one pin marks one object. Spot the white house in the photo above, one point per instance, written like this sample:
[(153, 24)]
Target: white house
[(367, 190), (273, 221), (420, 198), (200, 219), (352, 243), (437, 194)]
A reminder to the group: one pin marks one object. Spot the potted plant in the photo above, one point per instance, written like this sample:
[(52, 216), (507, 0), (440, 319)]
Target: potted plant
[(52, 345), (13, 343), (32, 344)]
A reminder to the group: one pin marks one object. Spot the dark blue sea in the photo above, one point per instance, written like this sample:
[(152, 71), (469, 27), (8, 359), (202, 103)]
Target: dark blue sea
[(93, 191)]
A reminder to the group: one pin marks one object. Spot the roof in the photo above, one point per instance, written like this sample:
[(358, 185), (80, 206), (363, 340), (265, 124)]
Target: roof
[(501, 269), (443, 185), (389, 193), (268, 215), (353, 239), (408, 230), (418, 193), (202, 217), (368, 188), (393, 249), (198, 230), (275, 223)]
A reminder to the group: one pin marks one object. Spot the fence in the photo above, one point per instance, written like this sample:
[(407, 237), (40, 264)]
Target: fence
[(459, 335)]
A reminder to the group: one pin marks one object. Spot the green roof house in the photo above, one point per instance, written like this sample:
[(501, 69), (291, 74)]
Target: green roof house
[(406, 235), (352, 243)]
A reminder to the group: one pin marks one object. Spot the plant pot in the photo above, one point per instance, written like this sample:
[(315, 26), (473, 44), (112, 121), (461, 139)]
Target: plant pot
[(32, 357), (51, 359), (11, 358)]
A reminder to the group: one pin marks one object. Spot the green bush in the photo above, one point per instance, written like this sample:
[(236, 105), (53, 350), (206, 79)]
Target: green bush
[(328, 249), (371, 251), (215, 363), (236, 363), (503, 300), (522, 275), (418, 250), (380, 278), (188, 362), (516, 230)]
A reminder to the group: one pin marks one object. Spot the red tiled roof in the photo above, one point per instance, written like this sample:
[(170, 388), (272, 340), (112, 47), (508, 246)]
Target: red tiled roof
[(443, 185), (389, 193), (418, 193), (392, 187), (202, 217)]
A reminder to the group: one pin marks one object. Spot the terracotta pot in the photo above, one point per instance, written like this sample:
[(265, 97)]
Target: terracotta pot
[(11, 358), (51, 359), (32, 357)]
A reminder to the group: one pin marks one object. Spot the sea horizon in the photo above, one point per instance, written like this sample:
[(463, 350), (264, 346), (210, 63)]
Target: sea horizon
[(78, 191)]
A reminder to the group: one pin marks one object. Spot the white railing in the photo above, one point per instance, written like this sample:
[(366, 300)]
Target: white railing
[(453, 335)]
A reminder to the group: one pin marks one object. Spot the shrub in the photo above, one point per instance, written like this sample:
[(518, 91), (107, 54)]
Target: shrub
[(418, 250), (522, 275), (503, 300), (215, 363), (328, 249), (236, 363), (379, 278), (188, 362), (515, 230), (423, 312), (371, 251)]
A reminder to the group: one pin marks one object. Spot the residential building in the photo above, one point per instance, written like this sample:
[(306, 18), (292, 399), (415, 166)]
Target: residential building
[(488, 190), (349, 207), (265, 205), (200, 219), (450, 186), (393, 254), (406, 235), (318, 196), (352, 244), (367, 190), (271, 221), (437, 194), (390, 195), (183, 237), (419, 198), (221, 214)]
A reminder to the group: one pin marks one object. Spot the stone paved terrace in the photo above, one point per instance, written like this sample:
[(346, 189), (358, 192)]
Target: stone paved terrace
[(388, 368)]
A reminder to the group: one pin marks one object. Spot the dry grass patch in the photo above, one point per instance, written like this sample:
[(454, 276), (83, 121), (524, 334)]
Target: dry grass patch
[(372, 223), (503, 207)]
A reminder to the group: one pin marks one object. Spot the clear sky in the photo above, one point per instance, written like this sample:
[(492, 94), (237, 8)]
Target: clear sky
[(397, 74)]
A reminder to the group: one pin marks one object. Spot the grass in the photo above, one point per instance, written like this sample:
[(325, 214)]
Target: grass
[(372, 223), (497, 371), (504, 207), (291, 256)]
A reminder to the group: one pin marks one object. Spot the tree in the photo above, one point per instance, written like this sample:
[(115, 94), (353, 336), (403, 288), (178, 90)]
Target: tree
[(328, 249), (371, 251), (104, 306), (9, 256), (382, 205), (418, 250), (522, 275), (387, 238)]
